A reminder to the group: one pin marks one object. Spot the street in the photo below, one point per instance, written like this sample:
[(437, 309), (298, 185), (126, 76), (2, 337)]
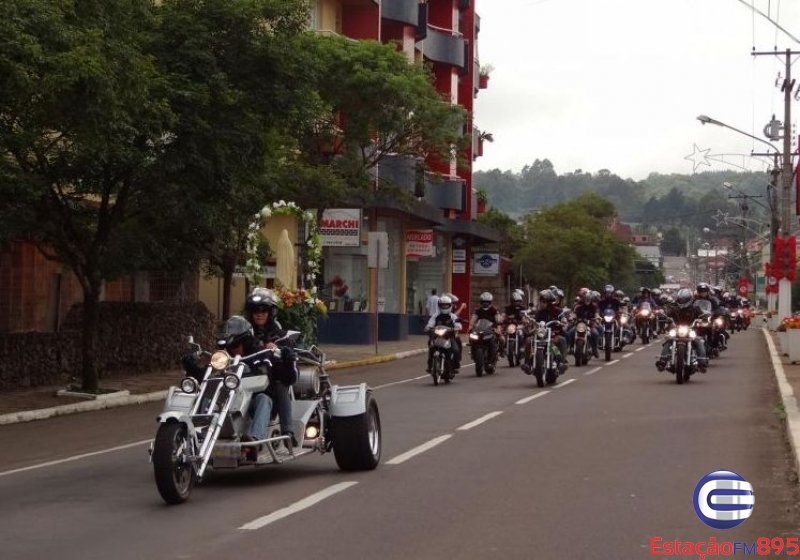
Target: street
[(593, 467)]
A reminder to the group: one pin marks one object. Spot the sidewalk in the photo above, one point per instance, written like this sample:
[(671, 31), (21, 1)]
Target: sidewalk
[(43, 402), (787, 375)]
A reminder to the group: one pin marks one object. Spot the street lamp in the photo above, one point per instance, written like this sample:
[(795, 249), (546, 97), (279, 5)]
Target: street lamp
[(785, 285)]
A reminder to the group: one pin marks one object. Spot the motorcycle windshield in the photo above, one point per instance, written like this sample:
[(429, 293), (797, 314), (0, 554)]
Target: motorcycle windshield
[(703, 305), (645, 305), (483, 325)]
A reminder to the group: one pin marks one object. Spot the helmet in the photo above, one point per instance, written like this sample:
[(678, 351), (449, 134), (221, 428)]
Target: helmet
[(559, 293), (261, 299), (582, 292), (547, 296), (445, 303), (655, 292), (609, 289), (703, 287), (620, 294), (684, 298), (626, 300), (516, 296), (236, 330), (486, 300), (595, 295), (645, 290)]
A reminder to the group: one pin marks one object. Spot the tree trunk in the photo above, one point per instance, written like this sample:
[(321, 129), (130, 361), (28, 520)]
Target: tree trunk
[(89, 377)]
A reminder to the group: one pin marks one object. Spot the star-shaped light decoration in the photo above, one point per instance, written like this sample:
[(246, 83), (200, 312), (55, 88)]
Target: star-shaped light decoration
[(698, 157), (721, 218)]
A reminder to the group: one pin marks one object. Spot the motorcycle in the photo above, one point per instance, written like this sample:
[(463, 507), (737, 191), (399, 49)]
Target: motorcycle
[(583, 344), (681, 361), (483, 347), (644, 322), (515, 344), (540, 359), (203, 421), (612, 339), (442, 339)]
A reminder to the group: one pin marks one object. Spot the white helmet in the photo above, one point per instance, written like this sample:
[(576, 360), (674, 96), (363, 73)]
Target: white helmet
[(452, 297), (516, 295), (486, 300), (445, 303)]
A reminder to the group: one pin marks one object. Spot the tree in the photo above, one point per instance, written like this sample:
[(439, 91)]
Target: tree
[(673, 244), (83, 119)]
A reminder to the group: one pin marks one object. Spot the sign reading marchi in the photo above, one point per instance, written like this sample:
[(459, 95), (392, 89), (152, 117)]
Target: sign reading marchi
[(419, 243), (340, 227)]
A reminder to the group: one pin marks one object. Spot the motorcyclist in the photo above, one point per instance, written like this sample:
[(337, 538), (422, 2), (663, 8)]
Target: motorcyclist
[(704, 291), (514, 312), (487, 310), (261, 308), (684, 312), (608, 299), (446, 318), (646, 296), (237, 338), (588, 312), (548, 311)]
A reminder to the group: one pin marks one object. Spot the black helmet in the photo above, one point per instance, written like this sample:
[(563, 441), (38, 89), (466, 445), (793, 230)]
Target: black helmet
[(261, 299), (236, 330), (645, 290), (703, 287), (684, 297)]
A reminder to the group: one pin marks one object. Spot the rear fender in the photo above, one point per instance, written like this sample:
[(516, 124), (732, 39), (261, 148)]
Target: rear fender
[(348, 400)]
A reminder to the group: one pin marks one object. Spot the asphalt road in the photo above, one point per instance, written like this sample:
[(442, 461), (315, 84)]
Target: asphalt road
[(486, 467)]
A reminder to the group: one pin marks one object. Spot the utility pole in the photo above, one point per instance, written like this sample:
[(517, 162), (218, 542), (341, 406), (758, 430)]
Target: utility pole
[(785, 285)]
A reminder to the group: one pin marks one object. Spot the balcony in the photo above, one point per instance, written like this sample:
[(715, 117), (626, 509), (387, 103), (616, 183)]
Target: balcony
[(447, 193), (397, 171), (401, 11), (445, 46)]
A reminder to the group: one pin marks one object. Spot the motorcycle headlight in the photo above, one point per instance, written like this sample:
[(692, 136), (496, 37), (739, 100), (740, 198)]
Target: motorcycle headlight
[(718, 321), (541, 333), (231, 381), (220, 360), (683, 331), (692, 334), (440, 331), (644, 312), (189, 385), (608, 318), (473, 336), (511, 329), (672, 333), (623, 319), (581, 328)]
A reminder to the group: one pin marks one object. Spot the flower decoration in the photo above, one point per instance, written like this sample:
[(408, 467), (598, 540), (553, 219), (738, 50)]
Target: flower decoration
[(253, 267), (789, 323), (299, 310)]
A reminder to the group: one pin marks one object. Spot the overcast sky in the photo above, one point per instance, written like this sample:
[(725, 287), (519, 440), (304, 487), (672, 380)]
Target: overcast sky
[(618, 84)]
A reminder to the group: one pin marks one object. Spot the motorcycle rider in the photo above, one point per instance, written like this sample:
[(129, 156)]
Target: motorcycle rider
[(549, 310), (446, 318), (236, 337), (261, 308), (514, 312), (704, 291), (609, 299), (646, 296), (487, 310), (684, 312), (588, 312)]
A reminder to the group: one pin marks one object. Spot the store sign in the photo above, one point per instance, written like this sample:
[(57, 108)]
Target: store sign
[(419, 243), (486, 264), (340, 227)]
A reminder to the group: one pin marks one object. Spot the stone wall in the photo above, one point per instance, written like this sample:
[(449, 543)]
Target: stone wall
[(131, 338)]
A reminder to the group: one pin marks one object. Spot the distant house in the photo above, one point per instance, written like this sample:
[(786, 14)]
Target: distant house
[(650, 252)]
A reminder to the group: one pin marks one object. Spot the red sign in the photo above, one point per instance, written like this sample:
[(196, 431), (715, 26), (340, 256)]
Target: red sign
[(744, 287), (419, 243)]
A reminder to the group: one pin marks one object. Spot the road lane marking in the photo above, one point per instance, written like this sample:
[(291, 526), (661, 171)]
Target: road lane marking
[(296, 507), (76, 457), (641, 348), (479, 421), (612, 362), (403, 381), (565, 383), (628, 355), (594, 370), (403, 457), (534, 396)]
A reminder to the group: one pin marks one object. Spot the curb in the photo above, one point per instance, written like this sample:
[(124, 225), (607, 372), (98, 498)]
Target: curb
[(788, 399), (126, 400)]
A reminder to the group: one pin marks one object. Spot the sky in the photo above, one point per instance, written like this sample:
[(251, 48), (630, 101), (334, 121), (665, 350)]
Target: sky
[(618, 84)]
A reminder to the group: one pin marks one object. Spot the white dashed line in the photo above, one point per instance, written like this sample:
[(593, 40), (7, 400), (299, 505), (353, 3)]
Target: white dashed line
[(298, 506), (628, 355), (401, 382), (76, 457), (612, 362), (591, 371), (641, 348), (480, 420), (403, 457), (534, 396), (565, 383)]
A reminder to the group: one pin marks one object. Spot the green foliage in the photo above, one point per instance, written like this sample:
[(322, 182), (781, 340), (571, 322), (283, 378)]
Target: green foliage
[(673, 244)]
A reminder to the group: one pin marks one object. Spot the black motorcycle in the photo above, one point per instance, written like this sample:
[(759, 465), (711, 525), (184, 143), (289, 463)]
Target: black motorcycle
[(483, 347), (442, 340)]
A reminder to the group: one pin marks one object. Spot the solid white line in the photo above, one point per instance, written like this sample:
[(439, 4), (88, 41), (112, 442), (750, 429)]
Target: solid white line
[(480, 420), (529, 399), (591, 371), (611, 363), (789, 401), (641, 348), (565, 383), (628, 355), (417, 450), (75, 457), (305, 503), (401, 382)]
